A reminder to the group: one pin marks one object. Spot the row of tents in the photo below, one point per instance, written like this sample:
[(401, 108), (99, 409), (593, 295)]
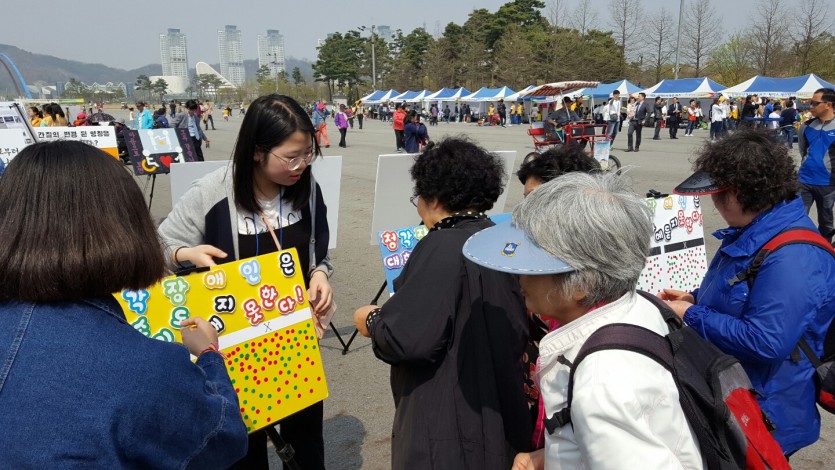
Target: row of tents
[(802, 87)]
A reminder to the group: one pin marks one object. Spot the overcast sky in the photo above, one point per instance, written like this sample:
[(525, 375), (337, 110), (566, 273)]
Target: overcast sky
[(126, 34)]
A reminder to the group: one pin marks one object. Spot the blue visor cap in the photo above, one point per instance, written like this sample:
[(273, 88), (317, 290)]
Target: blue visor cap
[(508, 249)]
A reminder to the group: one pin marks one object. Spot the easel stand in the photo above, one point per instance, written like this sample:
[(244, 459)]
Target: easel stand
[(347, 345), (153, 180), (284, 450)]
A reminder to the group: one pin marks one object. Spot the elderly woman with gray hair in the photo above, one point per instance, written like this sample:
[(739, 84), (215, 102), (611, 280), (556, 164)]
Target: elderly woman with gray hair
[(579, 244)]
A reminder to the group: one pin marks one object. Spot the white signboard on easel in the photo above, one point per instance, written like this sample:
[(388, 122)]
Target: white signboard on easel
[(15, 132), (678, 259), (326, 170), (393, 189)]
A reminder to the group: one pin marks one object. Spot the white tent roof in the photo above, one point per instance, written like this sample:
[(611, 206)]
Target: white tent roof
[(684, 88), (385, 98), (802, 87), (489, 94), (519, 94), (419, 97)]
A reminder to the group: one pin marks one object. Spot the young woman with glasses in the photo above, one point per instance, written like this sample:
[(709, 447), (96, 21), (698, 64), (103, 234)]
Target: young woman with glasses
[(266, 194)]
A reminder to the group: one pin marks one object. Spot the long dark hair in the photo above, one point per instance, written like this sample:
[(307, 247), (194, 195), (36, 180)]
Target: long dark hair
[(269, 121), (37, 111), (50, 109), (74, 225)]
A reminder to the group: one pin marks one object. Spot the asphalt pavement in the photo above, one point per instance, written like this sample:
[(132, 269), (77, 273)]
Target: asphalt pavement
[(360, 410)]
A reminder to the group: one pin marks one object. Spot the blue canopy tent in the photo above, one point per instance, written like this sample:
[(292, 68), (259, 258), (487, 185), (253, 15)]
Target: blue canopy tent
[(385, 97), (489, 94), (377, 94), (448, 94), (605, 90), (803, 86), (684, 88), (406, 95)]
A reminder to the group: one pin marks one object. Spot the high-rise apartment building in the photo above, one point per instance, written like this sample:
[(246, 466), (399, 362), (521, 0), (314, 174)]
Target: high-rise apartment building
[(271, 51), (173, 53), (385, 32), (230, 48)]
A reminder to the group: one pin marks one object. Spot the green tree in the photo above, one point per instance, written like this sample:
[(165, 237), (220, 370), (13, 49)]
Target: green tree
[(514, 59), (474, 51), (265, 83), (297, 76), (732, 61), (337, 64), (160, 87), (143, 83), (408, 67), (523, 13)]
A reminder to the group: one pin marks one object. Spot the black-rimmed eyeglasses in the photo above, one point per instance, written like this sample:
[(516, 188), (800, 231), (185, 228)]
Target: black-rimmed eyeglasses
[(414, 200)]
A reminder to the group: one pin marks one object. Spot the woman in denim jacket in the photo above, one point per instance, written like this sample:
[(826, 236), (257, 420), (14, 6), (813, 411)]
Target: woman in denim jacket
[(79, 386)]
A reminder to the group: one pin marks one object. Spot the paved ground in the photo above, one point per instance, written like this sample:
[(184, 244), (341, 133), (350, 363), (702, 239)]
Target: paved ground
[(359, 412)]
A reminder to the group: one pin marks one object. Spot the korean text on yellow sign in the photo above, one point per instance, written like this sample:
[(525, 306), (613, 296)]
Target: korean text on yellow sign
[(259, 308)]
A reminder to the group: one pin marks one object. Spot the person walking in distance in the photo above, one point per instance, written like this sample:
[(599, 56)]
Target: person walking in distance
[(341, 121), (674, 114), (658, 114), (692, 118), (189, 120), (613, 115), (398, 125), (636, 124), (319, 116)]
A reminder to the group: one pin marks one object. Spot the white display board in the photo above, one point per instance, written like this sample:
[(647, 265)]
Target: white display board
[(678, 259), (103, 137), (13, 141), (326, 170), (14, 130), (394, 188)]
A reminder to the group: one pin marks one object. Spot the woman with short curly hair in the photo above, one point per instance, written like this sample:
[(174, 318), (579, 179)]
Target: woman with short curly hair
[(753, 183), (454, 333)]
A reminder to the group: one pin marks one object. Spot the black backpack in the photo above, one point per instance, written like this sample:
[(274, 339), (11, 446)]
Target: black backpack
[(714, 391), (824, 366)]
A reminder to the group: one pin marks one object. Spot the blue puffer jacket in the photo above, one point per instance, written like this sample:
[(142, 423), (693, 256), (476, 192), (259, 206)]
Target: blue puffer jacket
[(793, 295)]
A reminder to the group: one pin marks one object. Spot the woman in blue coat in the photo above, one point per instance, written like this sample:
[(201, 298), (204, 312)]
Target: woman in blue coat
[(752, 181), (414, 133)]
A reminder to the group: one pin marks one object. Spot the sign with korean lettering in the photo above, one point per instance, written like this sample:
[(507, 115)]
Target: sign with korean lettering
[(677, 259), (396, 247), (103, 137), (260, 309), (152, 151), (13, 141)]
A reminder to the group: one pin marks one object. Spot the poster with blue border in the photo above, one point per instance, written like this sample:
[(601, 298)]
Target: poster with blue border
[(396, 246)]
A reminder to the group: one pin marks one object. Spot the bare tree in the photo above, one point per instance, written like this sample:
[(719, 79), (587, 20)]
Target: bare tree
[(626, 20), (662, 35), (584, 16), (810, 24), (702, 33), (556, 11), (732, 62), (768, 35)]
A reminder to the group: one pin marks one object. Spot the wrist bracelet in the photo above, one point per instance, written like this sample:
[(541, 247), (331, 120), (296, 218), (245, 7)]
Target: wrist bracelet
[(371, 318), (176, 260), (212, 348)]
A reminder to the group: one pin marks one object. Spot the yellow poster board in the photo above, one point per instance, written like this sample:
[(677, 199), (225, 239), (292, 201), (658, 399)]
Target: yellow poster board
[(259, 307)]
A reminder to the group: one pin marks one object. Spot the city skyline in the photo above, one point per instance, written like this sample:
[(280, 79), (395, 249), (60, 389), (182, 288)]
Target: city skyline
[(174, 53), (302, 25), (230, 51), (271, 52)]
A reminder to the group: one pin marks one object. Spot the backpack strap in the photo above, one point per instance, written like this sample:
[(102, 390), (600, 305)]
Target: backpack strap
[(790, 236), (619, 336)]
